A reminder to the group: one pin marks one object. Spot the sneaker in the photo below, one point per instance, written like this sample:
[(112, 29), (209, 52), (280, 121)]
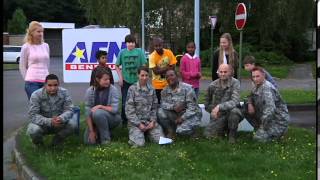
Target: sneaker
[(171, 134), (106, 142)]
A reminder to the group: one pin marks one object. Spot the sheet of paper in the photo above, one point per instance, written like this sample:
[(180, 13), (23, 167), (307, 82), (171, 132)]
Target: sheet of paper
[(164, 140)]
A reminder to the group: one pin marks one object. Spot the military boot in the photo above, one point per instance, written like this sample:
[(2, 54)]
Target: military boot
[(171, 134), (57, 140), (232, 136)]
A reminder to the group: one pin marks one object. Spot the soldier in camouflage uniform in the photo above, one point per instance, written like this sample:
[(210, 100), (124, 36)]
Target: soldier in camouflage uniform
[(141, 108), (51, 112), (222, 102), (179, 111), (266, 111)]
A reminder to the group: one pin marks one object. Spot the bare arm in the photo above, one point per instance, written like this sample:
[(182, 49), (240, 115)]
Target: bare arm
[(120, 76)]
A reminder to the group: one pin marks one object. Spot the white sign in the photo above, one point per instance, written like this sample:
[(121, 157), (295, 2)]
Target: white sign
[(80, 46), (213, 20)]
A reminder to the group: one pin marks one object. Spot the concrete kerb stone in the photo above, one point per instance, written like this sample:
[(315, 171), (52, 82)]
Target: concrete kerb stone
[(10, 69), (301, 107), (24, 171)]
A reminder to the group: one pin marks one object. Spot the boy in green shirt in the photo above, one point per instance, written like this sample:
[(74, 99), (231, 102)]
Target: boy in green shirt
[(130, 59)]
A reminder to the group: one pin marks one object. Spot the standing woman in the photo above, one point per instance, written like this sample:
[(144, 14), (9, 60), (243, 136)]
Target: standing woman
[(34, 58), (225, 54)]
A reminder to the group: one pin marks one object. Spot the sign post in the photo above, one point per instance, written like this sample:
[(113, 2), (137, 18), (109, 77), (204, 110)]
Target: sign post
[(213, 21), (240, 21)]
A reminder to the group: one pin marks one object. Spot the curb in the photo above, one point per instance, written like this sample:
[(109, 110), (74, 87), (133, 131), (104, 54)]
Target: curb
[(10, 69), (23, 170), (301, 107)]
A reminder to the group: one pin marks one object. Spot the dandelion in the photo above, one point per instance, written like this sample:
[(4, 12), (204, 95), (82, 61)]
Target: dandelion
[(283, 157)]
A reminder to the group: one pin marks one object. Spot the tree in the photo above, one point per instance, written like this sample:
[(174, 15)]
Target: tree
[(274, 25), (47, 11), (18, 23)]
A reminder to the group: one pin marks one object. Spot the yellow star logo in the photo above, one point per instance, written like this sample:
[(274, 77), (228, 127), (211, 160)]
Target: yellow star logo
[(79, 53)]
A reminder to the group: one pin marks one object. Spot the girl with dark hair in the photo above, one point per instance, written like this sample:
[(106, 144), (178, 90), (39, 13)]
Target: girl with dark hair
[(101, 107)]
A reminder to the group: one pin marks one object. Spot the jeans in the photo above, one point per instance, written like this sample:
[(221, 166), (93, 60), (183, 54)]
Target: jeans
[(196, 91), (103, 122), (124, 91), (30, 87), (158, 93)]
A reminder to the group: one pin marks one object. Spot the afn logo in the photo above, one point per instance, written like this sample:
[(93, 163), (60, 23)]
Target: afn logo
[(79, 52)]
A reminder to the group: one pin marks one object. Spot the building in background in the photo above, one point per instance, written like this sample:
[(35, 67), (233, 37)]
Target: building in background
[(53, 35)]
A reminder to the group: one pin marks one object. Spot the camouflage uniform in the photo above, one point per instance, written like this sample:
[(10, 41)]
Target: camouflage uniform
[(228, 98), (141, 107), (43, 107), (271, 114), (191, 116)]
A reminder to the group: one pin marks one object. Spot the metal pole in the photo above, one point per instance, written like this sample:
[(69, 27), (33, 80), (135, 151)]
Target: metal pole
[(197, 26), (211, 46), (240, 56), (142, 25)]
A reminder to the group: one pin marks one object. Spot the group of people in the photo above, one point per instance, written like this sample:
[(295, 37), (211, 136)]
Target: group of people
[(163, 107)]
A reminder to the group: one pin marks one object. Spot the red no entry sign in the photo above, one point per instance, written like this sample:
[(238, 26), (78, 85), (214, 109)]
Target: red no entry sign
[(240, 16)]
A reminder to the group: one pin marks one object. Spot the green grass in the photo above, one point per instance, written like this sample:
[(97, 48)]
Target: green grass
[(10, 66), (293, 157), (280, 71), (290, 96)]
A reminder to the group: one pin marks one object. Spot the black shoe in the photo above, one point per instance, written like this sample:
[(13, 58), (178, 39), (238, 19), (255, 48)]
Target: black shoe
[(232, 136), (57, 140), (38, 144)]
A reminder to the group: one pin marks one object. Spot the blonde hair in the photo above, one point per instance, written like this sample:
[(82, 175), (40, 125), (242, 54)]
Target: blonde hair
[(32, 27), (230, 51)]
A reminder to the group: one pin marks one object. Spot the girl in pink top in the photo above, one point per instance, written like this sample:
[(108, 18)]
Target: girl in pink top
[(34, 58), (190, 68)]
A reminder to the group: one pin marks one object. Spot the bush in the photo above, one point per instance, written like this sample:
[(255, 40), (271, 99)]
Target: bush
[(18, 23), (271, 58), (205, 57), (263, 57), (247, 49), (310, 56)]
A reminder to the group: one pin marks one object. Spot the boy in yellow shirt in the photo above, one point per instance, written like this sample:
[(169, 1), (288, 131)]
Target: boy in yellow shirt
[(160, 60)]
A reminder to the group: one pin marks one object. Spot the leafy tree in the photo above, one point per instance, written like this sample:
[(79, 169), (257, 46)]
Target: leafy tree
[(47, 10), (18, 23), (113, 13)]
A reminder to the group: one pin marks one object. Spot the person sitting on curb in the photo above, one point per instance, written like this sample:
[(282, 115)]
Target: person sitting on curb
[(249, 63), (179, 111), (223, 102), (50, 112), (265, 109), (141, 109), (101, 108)]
